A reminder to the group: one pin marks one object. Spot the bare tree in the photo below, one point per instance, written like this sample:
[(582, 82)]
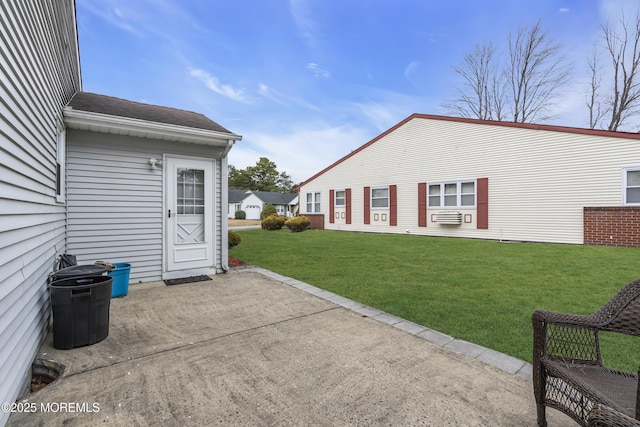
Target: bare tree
[(523, 87), (597, 109), (481, 94), (536, 73), (622, 46)]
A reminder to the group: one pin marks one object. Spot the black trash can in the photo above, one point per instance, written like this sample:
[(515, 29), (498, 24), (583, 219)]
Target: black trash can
[(80, 310), (78, 271)]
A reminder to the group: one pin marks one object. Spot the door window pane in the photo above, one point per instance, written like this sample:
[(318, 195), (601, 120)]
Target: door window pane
[(190, 195)]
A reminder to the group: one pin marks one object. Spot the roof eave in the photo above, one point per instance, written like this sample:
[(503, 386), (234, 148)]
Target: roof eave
[(105, 123)]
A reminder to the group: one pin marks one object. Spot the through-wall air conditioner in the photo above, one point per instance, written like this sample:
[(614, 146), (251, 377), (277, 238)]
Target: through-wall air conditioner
[(449, 218)]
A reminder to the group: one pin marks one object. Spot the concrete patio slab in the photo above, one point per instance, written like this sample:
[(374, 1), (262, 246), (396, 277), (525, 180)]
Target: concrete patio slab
[(247, 349)]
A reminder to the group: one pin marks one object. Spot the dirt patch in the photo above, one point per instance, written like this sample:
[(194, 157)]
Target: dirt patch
[(235, 262), (243, 222)]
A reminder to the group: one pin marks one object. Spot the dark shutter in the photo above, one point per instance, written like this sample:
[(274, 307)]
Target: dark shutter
[(393, 205), (367, 205), (347, 203), (422, 204), (483, 203), (332, 206)]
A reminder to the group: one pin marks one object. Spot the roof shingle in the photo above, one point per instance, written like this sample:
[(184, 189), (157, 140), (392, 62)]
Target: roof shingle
[(96, 103)]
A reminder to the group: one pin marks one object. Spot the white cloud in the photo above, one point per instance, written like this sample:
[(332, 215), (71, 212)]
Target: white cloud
[(116, 16), (411, 71), (564, 10), (301, 13), (271, 94), (299, 151), (212, 83), (317, 71), (280, 98), (384, 109)]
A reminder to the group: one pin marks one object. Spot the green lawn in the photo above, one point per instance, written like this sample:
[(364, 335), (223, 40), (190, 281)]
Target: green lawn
[(477, 290)]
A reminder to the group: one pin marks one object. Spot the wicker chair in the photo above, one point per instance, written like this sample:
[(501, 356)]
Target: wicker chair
[(604, 416), (568, 374)]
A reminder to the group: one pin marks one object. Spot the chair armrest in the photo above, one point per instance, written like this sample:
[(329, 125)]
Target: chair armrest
[(605, 416), (569, 336)]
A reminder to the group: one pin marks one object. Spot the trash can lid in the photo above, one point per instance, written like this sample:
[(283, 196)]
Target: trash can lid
[(80, 270)]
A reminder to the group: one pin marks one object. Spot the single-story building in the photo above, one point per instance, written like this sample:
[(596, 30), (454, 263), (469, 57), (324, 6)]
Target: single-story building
[(445, 176), (252, 202), (143, 186), (98, 177)]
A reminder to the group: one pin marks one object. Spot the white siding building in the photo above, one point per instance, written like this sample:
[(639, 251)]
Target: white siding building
[(40, 73), (98, 177), (146, 185), (444, 176)]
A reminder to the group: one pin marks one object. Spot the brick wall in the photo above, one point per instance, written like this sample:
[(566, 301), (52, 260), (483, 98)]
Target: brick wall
[(612, 226), (317, 221)]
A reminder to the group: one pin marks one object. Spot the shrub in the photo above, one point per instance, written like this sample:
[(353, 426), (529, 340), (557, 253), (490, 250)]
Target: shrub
[(273, 222), (297, 223), (234, 239), (268, 210), (240, 214)]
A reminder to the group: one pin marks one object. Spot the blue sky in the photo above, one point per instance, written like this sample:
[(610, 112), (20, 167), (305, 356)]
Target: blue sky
[(307, 81)]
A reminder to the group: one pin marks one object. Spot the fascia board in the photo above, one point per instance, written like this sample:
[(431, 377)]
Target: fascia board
[(105, 123)]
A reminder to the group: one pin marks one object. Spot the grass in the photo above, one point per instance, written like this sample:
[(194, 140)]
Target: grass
[(477, 290)]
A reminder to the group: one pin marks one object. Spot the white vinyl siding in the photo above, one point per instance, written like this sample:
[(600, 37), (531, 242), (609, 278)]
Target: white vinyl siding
[(40, 73), (540, 179), (115, 200)]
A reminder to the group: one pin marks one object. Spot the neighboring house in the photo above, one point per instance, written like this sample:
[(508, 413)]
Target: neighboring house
[(99, 177), (445, 176), (234, 200), (285, 204), (252, 202)]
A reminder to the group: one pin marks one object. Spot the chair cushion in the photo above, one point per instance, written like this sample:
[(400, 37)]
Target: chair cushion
[(609, 386)]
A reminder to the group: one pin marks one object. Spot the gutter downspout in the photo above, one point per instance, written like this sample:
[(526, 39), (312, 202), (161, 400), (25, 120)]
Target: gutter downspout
[(223, 267)]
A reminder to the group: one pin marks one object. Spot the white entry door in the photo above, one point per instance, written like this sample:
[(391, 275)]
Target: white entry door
[(189, 216)]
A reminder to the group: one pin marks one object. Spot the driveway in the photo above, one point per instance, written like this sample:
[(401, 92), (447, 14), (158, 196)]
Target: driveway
[(254, 348)]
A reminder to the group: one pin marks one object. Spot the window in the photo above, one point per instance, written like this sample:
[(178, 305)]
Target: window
[(60, 166), (313, 202), (190, 191), (460, 194), (380, 197), (632, 186), (340, 198)]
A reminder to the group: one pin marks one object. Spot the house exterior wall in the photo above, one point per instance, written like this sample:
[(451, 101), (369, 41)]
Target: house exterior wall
[(538, 179), (40, 73), (115, 199), (232, 209)]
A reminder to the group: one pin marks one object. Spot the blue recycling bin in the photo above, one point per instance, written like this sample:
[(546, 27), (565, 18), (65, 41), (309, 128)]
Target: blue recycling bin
[(120, 274)]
